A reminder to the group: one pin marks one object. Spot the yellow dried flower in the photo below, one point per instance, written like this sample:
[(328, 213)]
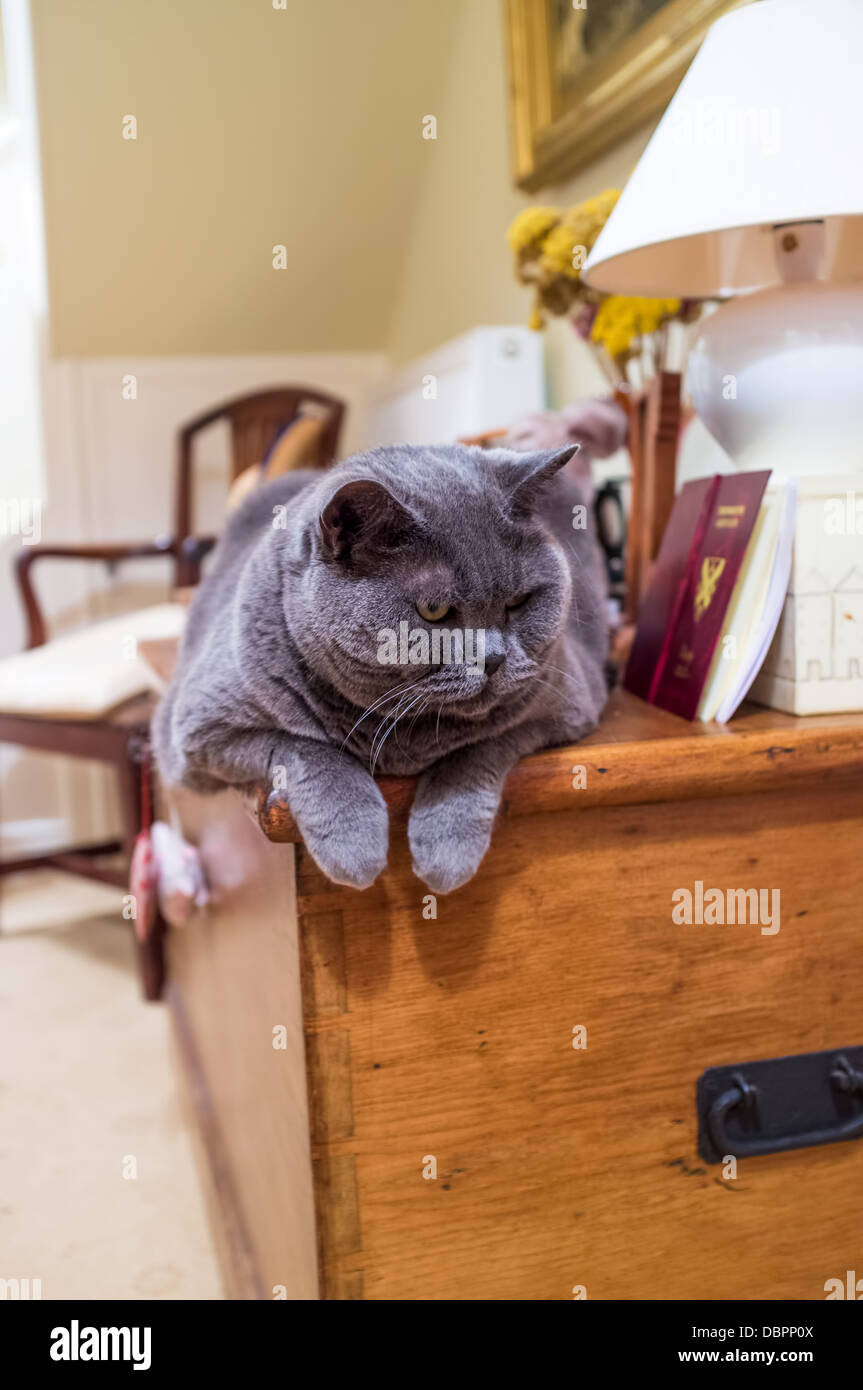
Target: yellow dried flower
[(558, 256), (527, 230), (550, 249), (565, 250), (620, 319)]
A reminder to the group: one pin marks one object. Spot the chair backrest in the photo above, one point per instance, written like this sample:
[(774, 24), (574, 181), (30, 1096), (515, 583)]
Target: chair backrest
[(255, 422)]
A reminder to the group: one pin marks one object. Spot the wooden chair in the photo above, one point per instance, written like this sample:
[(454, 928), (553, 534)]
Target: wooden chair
[(121, 738)]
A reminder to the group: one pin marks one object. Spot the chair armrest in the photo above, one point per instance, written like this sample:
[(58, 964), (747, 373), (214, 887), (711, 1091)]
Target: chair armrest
[(190, 552), (110, 554)]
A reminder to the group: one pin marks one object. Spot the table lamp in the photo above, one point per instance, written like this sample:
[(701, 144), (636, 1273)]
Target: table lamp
[(751, 191)]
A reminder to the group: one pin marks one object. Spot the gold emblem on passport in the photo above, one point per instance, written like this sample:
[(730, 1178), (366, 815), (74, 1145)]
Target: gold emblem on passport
[(711, 571)]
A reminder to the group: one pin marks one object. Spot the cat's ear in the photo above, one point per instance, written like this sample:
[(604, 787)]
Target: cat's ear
[(363, 518), (533, 476)]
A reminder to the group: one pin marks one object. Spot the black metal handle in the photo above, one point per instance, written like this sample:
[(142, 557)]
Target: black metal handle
[(762, 1107), (610, 520)]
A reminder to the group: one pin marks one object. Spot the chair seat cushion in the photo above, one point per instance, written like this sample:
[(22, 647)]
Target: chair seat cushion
[(85, 674)]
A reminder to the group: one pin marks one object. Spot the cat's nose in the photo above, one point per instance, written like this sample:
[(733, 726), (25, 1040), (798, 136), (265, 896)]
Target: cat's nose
[(493, 660)]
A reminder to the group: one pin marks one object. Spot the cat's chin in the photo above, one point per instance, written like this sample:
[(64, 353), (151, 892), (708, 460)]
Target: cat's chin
[(477, 700)]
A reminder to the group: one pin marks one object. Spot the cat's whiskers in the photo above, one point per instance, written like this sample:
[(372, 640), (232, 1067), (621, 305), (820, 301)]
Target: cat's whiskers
[(540, 681), (395, 711), (397, 690), (578, 685), (416, 700), (421, 711)]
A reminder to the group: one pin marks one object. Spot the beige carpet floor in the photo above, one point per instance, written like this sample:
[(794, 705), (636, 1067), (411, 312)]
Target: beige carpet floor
[(87, 1098)]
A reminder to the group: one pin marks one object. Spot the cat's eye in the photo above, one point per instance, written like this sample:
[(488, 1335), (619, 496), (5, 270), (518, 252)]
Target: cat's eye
[(517, 602), (433, 615)]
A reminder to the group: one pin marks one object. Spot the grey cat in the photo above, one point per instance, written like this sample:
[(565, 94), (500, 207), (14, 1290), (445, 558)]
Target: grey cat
[(310, 657)]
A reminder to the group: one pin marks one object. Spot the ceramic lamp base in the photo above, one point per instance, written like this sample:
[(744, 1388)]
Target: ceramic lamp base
[(776, 377)]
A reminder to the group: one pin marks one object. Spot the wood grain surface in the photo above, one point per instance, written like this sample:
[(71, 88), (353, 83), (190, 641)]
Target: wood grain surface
[(641, 754), (234, 979), (438, 1034), (559, 1168)]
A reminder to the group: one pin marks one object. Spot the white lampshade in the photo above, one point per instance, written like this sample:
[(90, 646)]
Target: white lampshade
[(766, 128)]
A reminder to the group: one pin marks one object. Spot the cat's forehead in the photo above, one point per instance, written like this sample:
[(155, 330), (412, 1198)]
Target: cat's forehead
[(444, 472), (432, 578), (426, 473), (460, 498), (468, 563)]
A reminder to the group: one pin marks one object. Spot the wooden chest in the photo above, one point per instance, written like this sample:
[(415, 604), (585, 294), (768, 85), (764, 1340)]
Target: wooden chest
[(499, 1101)]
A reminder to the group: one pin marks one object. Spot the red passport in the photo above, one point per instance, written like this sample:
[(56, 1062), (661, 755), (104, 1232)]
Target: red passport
[(681, 616)]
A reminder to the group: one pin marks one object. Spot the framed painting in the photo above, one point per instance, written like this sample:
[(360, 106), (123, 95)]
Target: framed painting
[(585, 73)]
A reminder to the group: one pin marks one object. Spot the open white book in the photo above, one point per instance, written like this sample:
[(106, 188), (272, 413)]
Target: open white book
[(755, 606)]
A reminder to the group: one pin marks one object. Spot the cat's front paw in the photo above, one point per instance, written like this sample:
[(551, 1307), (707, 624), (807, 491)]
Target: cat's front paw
[(349, 843), (449, 838)]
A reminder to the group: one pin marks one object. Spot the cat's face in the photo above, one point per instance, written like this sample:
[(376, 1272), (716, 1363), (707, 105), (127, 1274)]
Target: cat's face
[(430, 574)]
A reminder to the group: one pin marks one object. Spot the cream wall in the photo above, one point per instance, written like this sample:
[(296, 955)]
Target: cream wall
[(257, 127), (457, 265), (302, 127)]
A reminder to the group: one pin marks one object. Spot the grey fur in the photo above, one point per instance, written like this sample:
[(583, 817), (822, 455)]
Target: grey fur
[(278, 679)]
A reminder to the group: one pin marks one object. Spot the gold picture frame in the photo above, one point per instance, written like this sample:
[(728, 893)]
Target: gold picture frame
[(570, 100)]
